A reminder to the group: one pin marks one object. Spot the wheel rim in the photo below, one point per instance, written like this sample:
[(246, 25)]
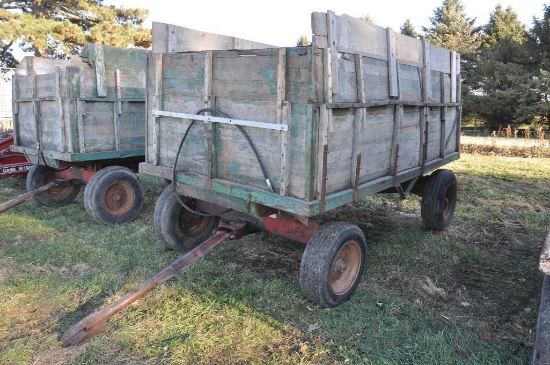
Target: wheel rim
[(119, 198), (448, 201), (192, 225), (57, 191), (345, 267)]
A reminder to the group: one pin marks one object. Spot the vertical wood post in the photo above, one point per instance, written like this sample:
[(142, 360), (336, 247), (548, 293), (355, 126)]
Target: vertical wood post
[(286, 149), (333, 49), (392, 64), (443, 117), (81, 111), (59, 103), (209, 128), (322, 147), (99, 63), (426, 96), (117, 109), (15, 108), (458, 100), (157, 104), (360, 116)]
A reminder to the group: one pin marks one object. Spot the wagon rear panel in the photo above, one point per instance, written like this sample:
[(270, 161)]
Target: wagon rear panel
[(67, 109)]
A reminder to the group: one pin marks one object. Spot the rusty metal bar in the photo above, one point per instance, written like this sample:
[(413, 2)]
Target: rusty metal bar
[(95, 322), (28, 196)]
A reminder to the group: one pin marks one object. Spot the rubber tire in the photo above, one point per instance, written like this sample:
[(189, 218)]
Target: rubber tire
[(439, 200), (98, 187), (318, 259), (169, 220), (40, 175)]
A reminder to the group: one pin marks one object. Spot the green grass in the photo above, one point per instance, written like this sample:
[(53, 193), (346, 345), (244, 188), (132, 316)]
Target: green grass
[(468, 295)]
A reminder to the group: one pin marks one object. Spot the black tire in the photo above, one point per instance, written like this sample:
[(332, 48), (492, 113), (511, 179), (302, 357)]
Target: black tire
[(113, 195), (439, 200), (178, 228), (40, 175), (333, 263)]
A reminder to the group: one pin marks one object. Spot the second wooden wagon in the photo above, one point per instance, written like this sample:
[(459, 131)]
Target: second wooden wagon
[(81, 122)]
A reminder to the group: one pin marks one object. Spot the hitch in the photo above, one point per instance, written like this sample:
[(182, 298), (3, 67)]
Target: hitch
[(95, 322), (31, 194)]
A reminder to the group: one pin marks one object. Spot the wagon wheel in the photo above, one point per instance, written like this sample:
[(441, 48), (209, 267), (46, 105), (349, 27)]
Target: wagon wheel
[(40, 175), (332, 263), (439, 200), (113, 195), (178, 228)]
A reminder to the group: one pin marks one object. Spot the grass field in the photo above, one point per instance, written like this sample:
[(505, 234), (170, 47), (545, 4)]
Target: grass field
[(468, 295)]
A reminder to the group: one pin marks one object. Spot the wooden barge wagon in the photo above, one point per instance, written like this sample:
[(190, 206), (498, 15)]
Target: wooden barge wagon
[(277, 136), (81, 122)]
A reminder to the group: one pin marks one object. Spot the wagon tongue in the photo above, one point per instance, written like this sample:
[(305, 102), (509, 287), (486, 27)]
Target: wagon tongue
[(95, 322), (31, 194)]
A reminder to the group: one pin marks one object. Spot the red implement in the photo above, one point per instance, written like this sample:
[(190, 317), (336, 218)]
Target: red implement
[(11, 163)]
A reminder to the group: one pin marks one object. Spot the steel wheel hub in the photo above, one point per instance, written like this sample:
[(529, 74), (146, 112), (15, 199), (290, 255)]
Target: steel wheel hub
[(119, 198), (345, 267)]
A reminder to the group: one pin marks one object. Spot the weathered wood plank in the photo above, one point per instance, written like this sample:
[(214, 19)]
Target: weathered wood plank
[(392, 64), (168, 38), (286, 119), (97, 56)]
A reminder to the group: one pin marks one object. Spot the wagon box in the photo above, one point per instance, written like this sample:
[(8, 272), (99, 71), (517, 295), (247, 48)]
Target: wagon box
[(277, 136), (330, 125)]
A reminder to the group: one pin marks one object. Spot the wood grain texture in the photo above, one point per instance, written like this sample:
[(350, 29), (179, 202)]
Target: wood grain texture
[(322, 92), (169, 38), (95, 103)]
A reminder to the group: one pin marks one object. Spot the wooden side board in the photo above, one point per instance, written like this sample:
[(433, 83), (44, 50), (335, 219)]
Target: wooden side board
[(169, 38)]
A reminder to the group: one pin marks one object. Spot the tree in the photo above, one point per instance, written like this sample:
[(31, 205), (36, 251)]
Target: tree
[(540, 45), (451, 29), (59, 28), (303, 41), (503, 24), (368, 19), (502, 82), (408, 29)]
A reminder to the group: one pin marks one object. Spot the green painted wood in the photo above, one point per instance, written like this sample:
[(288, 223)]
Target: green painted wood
[(81, 157), (239, 196)]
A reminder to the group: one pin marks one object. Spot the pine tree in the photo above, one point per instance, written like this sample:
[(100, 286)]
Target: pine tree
[(502, 81), (408, 29), (540, 51), (368, 19), (504, 24), (303, 41), (451, 29), (59, 28)]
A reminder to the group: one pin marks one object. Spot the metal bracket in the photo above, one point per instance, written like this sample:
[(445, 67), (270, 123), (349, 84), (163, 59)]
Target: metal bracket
[(211, 119)]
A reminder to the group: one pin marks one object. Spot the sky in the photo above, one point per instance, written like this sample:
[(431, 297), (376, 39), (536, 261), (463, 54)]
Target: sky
[(282, 22)]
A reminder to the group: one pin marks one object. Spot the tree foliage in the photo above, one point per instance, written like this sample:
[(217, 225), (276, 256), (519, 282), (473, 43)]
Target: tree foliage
[(59, 28), (451, 29), (503, 24), (303, 41), (369, 19), (408, 29), (502, 83), (540, 50)]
